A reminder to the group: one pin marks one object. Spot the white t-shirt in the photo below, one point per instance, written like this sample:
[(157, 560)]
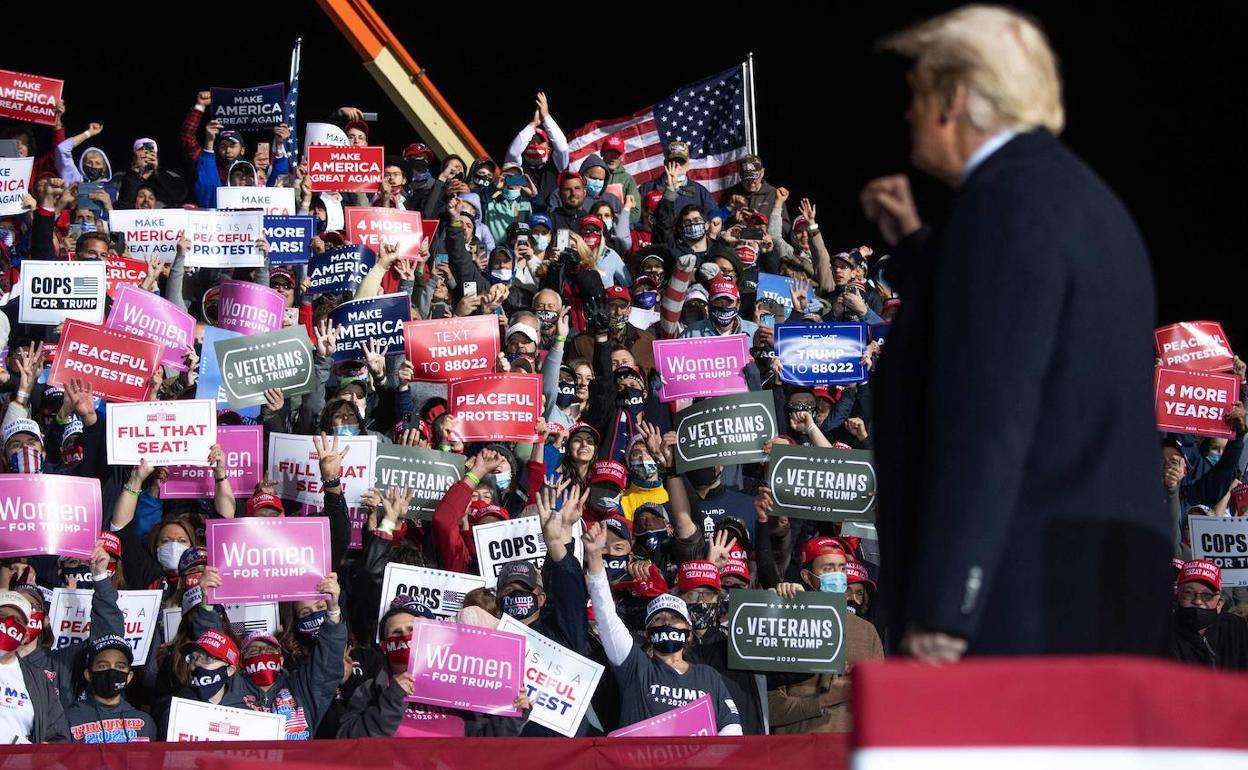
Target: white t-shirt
[(17, 715)]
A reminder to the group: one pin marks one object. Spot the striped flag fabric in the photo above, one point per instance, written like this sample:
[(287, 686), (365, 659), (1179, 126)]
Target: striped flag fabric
[(1041, 713), (710, 115), (291, 111)]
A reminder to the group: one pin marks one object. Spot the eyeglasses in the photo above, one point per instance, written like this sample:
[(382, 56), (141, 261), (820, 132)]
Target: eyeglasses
[(695, 221), (198, 658), (1204, 597)]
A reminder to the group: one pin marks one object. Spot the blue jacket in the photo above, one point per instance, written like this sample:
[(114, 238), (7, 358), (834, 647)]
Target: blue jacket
[(692, 192), (208, 177)]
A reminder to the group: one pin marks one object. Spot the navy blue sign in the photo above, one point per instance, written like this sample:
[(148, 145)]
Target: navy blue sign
[(821, 354), (780, 289), (376, 318), (290, 238), (340, 269), (249, 109)]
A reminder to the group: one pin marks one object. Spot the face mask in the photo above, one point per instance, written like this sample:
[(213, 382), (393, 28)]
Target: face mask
[(608, 223), (653, 540), (310, 624), (618, 322), (511, 194), (616, 567), (35, 626), (92, 174), (207, 681), (421, 177), (502, 275), (1194, 619), (479, 182), (540, 242), (109, 683), (833, 582), (592, 240), (193, 596), (646, 299), (396, 650), (547, 317), (502, 481), (169, 553), (28, 459), (1213, 457), (520, 604), (646, 469), (606, 503), (347, 430), (566, 396), (703, 616), (694, 232), (81, 574), (263, 669), (681, 180), (12, 634), (594, 186), (854, 607), (668, 639), (72, 456), (630, 399), (536, 154), (724, 316), (748, 255)]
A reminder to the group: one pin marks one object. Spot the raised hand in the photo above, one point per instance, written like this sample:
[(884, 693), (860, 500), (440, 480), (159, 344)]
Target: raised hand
[(888, 203), (375, 356), (329, 456)]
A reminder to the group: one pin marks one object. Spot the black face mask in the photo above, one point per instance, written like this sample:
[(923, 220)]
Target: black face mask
[(207, 681), (668, 639), (616, 566), (1194, 619), (109, 682), (856, 608), (630, 399), (652, 542), (520, 604), (702, 477), (703, 616), (566, 396), (81, 574)]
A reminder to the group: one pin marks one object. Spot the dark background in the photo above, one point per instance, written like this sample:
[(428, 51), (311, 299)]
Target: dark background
[(1154, 95)]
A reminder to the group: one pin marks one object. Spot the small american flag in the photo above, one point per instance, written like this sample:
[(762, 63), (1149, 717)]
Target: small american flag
[(453, 600), (710, 115), (292, 104), (225, 728), (86, 286)]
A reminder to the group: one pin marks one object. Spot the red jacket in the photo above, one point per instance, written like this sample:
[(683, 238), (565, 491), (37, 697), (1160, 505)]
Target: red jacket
[(453, 553)]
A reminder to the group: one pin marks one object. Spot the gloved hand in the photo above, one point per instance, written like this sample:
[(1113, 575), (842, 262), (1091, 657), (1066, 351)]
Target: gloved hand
[(686, 262), (708, 271), (596, 317)]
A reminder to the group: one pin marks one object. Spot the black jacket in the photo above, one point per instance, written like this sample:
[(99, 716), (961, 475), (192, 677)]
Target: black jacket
[(1224, 644), (1015, 438), (49, 725)]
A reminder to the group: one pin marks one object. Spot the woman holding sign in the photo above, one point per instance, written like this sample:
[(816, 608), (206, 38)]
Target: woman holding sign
[(664, 679)]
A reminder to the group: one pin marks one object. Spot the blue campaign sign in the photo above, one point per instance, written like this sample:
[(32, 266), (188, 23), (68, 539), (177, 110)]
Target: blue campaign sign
[(379, 319), (821, 354), (209, 383), (290, 238), (250, 109), (340, 269), (780, 288)]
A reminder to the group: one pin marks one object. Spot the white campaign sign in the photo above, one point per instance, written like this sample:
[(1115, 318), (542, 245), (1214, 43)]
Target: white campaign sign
[(1223, 541), (559, 682), (191, 720), (14, 179), (272, 200), (224, 238), (162, 432), (441, 590), (293, 463), (149, 232), (54, 290), (515, 540), (245, 619), (324, 134), (70, 618)]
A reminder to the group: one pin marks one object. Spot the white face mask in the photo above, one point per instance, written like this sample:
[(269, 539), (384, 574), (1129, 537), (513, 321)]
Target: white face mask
[(169, 554), (608, 224)]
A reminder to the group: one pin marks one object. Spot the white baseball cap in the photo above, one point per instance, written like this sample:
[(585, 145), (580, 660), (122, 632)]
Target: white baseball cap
[(18, 602), (668, 603)]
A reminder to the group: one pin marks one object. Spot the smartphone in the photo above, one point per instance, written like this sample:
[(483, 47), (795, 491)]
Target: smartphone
[(441, 259), (752, 233), (562, 238), (515, 180), (369, 117), (768, 320), (290, 316), (522, 239), (470, 288)]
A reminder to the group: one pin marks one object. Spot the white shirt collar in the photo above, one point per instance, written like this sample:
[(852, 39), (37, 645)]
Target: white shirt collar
[(994, 143)]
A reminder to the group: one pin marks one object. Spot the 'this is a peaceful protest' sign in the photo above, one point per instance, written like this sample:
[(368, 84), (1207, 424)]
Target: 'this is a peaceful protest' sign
[(726, 430), (822, 484), (805, 635)]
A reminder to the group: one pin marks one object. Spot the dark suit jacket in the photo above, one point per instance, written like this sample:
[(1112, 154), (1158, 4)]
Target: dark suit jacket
[(1019, 489)]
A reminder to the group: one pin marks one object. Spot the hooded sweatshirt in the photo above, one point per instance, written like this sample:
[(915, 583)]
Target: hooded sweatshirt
[(74, 173), (93, 722)]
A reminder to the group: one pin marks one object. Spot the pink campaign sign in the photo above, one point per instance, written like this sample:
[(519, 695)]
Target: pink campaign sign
[(148, 315), (243, 446), (249, 308), (268, 559), (465, 667), (700, 367), (691, 720), (47, 514), (424, 724)]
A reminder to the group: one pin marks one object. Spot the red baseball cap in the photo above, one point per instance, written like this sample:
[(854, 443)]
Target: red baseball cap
[(735, 566), (651, 201), (566, 175), (542, 133), (588, 220), (111, 544), (619, 293), (264, 500), (614, 142), (1203, 570), (608, 471), (822, 391), (358, 125), (651, 586), (216, 644), (697, 574), (479, 512), (856, 572), (585, 428), (416, 150), (821, 546), (722, 287)]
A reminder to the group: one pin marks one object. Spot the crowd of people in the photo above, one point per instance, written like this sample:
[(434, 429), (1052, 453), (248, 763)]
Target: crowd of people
[(564, 264)]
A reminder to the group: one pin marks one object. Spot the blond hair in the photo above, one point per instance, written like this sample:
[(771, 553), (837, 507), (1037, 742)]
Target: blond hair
[(1000, 55)]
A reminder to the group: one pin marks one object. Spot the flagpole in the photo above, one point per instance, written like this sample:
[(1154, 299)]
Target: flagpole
[(753, 120), (292, 145)]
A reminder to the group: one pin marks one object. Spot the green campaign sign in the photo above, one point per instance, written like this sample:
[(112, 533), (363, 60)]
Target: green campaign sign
[(725, 430), (767, 633), (253, 363), (428, 472), (810, 482)]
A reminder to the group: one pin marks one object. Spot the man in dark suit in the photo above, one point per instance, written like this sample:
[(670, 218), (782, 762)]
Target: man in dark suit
[(1020, 495)]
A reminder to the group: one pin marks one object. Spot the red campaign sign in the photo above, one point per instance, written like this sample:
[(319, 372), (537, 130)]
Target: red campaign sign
[(124, 271), (117, 366), (345, 169), (1199, 346), (444, 349), (496, 407), (1194, 402), (29, 97), (370, 225)]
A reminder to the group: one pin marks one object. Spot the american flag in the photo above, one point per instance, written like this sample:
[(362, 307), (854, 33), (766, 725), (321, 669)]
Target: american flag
[(710, 115), (85, 286), (292, 104), (225, 728)]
